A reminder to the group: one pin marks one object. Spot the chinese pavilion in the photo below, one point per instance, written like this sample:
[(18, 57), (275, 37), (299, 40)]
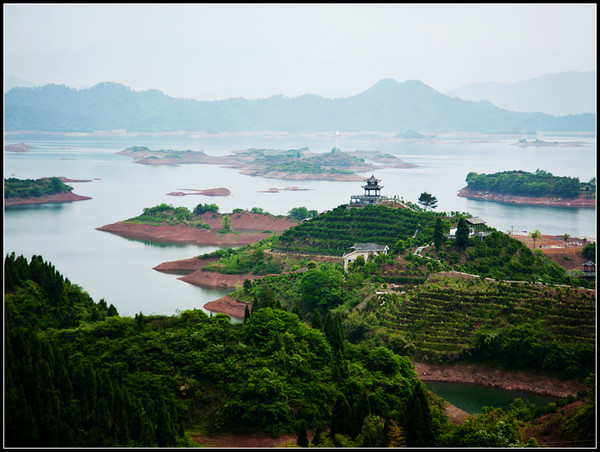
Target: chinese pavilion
[(372, 186), (371, 196)]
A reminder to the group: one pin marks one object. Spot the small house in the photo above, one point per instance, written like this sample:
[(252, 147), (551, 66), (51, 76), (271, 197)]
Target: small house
[(365, 250), (476, 227)]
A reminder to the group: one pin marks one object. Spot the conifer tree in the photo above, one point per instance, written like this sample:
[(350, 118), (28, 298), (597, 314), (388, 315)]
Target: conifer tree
[(395, 435), (438, 233), (302, 440), (361, 409), (317, 320), (462, 234), (340, 416), (296, 310), (417, 420)]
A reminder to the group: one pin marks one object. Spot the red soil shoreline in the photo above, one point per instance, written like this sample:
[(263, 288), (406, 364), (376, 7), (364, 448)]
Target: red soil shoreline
[(579, 202), (247, 228), (57, 198), (498, 378)]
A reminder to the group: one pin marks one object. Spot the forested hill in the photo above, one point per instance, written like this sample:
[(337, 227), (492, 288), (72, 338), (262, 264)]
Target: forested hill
[(522, 183), (34, 188), (386, 106)]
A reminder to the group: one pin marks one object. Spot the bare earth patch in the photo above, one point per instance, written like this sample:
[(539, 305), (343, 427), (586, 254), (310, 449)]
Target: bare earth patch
[(57, 198), (235, 441), (581, 201), (498, 378)]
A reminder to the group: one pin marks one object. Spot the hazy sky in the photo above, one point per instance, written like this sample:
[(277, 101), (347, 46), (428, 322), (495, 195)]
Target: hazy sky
[(218, 51)]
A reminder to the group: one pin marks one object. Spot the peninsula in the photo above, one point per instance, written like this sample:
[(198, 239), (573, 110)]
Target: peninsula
[(168, 224), (40, 191), (291, 164)]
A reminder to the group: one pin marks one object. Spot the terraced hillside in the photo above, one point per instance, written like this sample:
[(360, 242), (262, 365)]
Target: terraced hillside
[(514, 325), (334, 232)]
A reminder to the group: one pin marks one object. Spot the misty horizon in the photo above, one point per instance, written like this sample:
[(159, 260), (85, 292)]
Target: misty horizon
[(254, 51)]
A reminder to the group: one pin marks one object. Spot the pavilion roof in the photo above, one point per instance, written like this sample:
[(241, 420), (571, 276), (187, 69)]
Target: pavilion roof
[(475, 220)]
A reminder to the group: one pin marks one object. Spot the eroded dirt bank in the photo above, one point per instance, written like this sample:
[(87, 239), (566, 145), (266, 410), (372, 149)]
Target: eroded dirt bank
[(227, 305), (59, 197), (580, 201), (246, 228), (194, 273), (179, 234), (498, 378), (183, 266)]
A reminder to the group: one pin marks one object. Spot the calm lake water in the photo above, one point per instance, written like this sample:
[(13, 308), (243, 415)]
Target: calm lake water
[(121, 270), (472, 398)]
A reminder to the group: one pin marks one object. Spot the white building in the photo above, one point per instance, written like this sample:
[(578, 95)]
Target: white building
[(365, 250)]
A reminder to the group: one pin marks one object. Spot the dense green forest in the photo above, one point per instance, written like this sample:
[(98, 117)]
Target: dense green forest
[(99, 379), (320, 348), (522, 183), (34, 188)]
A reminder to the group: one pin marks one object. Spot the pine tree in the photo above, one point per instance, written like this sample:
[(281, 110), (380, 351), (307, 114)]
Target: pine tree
[(361, 409), (316, 440), (302, 440), (334, 331), (462, 234), (296, 310), (317, 320), (395, 435), (438, 233), (417, 418), (340, 416)]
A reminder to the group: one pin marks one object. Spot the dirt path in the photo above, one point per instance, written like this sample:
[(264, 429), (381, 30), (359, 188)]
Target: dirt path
[(235, 441)]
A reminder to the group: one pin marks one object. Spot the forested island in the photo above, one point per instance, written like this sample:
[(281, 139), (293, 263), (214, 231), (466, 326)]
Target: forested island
[(539, 188), (324, 356), (278, 164), (38, 191)]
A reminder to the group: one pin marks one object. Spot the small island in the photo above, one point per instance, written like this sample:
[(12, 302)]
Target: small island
[(541, 143), (20, 147), (202, 226), (220, 191), (291, 164), (39, 191), (539, 188)]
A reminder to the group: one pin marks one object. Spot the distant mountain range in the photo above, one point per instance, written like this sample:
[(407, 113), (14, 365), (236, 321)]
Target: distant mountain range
[(386, 106), (13, 81), (557, 94)]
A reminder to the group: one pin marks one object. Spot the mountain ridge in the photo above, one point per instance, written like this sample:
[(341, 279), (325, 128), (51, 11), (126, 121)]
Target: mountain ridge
[(562, 93), (388, 105)]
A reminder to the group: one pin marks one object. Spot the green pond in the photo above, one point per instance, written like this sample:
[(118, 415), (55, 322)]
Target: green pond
[(471, 398)]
